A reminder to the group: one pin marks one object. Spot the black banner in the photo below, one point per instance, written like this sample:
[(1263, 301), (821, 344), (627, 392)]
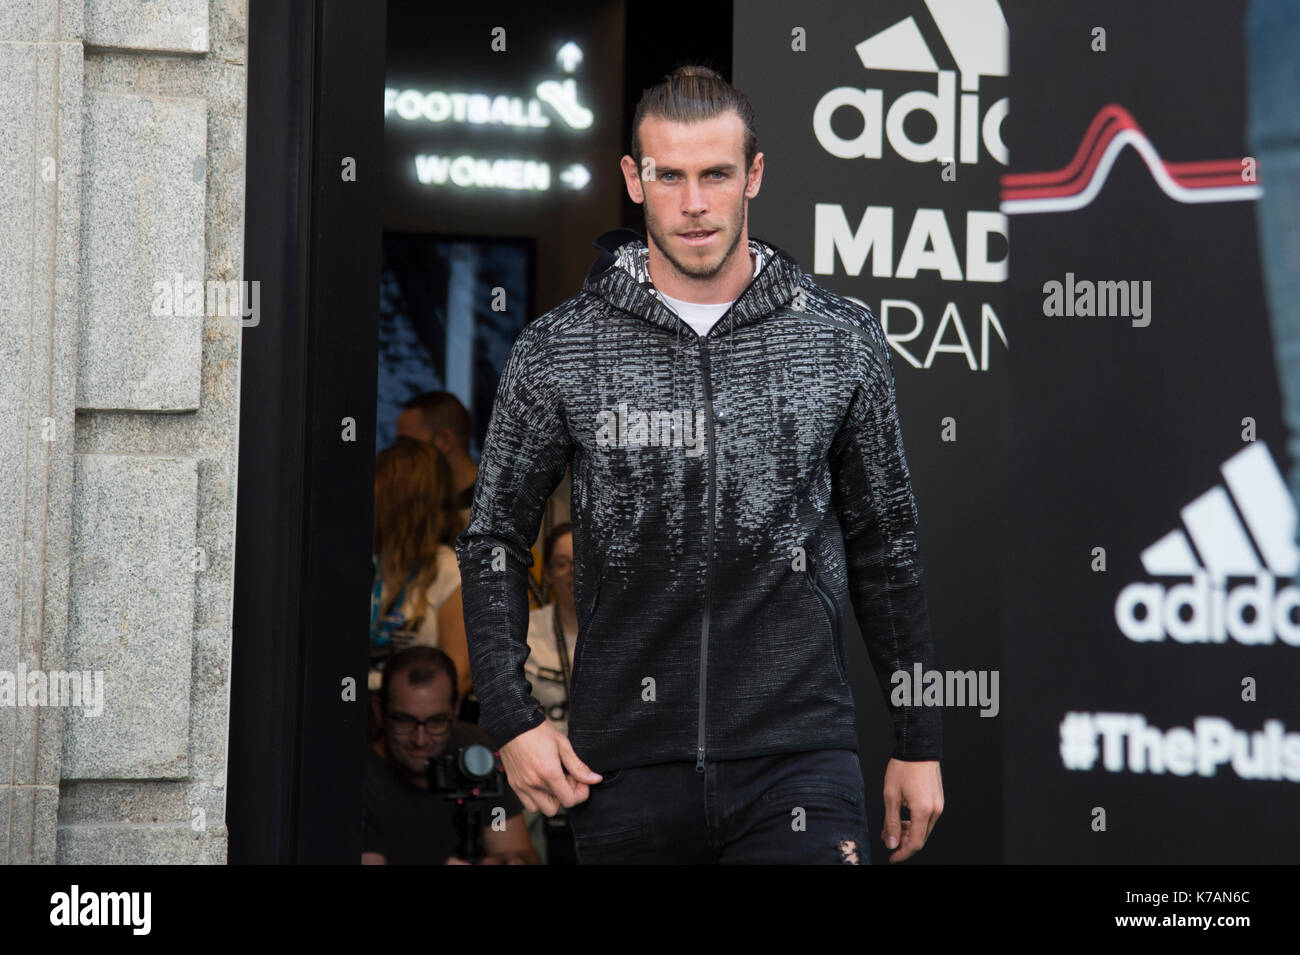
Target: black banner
[(882, 127), (1150, 712), (1092, 423)]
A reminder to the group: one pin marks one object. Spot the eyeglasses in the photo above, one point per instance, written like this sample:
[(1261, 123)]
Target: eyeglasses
[(404, 724)]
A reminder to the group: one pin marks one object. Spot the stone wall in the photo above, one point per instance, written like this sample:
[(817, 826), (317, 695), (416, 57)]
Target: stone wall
[(122, 129)]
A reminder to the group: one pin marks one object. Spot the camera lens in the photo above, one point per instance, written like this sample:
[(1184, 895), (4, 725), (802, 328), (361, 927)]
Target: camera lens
[(477, 762)]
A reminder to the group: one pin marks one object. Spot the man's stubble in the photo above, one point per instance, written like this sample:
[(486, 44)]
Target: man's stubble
[(696, 270)]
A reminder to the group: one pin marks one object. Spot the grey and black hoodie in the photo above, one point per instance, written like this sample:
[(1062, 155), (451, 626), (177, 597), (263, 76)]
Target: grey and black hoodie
[(734, 496)]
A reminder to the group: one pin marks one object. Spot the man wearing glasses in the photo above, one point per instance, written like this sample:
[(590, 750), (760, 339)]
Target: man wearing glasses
[(405, 823)]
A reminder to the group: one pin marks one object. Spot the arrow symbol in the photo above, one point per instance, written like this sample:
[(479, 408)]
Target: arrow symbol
[(576, 176), (569, 56)]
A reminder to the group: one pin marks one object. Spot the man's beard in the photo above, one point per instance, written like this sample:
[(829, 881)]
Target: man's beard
[(411, 762), (696, 269)]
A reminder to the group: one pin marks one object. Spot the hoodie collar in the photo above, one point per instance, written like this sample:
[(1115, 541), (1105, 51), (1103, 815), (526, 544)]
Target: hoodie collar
[(621, 277)]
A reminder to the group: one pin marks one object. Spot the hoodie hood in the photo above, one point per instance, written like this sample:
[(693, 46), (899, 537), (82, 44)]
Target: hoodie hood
[(621, 277)]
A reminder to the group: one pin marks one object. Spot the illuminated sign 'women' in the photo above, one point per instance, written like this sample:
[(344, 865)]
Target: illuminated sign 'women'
[(481, 109)]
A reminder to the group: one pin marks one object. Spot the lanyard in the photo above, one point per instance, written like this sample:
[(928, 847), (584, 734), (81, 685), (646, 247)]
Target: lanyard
[(382, 629)]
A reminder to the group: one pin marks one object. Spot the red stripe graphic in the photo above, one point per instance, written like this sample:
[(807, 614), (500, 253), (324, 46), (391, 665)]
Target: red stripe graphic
[(1076, 176)]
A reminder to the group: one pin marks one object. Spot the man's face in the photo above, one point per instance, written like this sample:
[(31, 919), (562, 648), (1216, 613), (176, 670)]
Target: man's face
[(413, 749), (700, 185), (411, 424)]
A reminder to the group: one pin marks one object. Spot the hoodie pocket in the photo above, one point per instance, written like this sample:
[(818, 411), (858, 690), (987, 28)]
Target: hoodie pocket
[(584, 638), (832, 618)]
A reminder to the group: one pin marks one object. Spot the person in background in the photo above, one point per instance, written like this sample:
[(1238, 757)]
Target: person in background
[(404, 821), (415, 598), (438, 418), (1273, 131), (552, 644)]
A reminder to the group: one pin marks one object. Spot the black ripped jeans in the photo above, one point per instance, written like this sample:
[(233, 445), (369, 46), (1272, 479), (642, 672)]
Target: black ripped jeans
[(788, 808)]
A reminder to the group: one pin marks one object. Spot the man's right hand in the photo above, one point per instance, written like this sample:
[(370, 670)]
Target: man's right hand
[(536, 764)]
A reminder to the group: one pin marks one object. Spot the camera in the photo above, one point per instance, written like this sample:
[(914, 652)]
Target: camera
[(471, 775)]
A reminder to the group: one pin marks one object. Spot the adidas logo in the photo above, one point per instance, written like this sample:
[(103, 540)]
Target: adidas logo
[(1246, 529), (977, 37)]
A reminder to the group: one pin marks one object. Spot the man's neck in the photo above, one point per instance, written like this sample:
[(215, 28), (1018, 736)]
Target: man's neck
[(726, 286)]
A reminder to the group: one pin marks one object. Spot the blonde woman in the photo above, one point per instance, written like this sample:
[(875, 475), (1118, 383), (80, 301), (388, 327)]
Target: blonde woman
[(416, 594), (552, 648)]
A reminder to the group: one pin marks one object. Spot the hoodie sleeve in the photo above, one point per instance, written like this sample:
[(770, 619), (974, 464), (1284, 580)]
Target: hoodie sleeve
[(873, 497), (524, 458)]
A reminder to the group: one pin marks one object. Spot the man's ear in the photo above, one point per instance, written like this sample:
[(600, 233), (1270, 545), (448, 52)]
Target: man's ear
[(755, 180), (377, 708), (632, 179)]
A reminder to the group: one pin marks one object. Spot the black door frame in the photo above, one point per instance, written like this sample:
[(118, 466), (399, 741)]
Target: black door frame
[(305, 492)]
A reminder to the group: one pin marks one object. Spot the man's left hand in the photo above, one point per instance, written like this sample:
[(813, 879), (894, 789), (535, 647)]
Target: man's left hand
[(919, 787)]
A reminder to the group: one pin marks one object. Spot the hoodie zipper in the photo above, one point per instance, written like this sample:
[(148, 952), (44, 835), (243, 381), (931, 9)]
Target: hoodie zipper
[(708, 551), (833, 617), (708, 555)]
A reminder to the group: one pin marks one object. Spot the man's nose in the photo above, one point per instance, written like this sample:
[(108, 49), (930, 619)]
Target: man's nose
[(695, 203)]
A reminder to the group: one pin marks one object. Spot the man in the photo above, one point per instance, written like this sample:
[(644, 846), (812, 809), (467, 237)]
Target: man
[(438, 418), (739, 479), (1273, 128), (406, 823)]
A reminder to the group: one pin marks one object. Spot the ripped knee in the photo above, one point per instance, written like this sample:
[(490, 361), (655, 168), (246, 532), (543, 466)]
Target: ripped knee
[(849, 852)]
